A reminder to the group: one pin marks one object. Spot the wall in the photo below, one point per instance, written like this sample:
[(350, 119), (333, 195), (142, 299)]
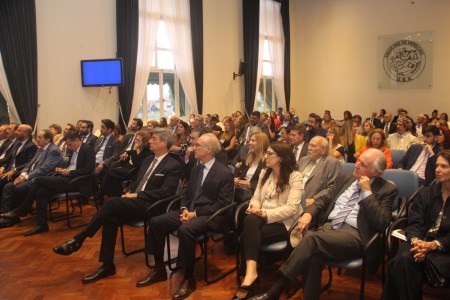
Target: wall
[(67, 32), (335, 55)]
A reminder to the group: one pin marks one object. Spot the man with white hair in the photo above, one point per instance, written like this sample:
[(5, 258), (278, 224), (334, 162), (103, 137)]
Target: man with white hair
[(358, 206), (402, 139)]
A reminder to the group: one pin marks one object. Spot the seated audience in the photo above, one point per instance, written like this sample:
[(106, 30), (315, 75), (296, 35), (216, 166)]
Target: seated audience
[(228, 139), (421, 158), (239, 126), (163, 122), (335, 149), (284, 133), (314, 128), (6, 148), (255, 122), (275, 119), (271, 126), (367, 127), (351, 141), (247, 172), (273, 209), (428, 233), (297, 142), (402, 139), (157, 179), (181, 139), (210, 188), (107, 148), (57, 133), (86, 133), (378, 140), (129, 139), (117, 133), (326, 121), (389, 127), (444, 138), (151, 125), (345, 226)]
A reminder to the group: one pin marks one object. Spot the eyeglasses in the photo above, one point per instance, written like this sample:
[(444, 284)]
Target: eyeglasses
[(270, 153)]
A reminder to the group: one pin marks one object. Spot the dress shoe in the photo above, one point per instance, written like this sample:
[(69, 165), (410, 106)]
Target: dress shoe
[(264, 296), (67, 248), (186, 288), (100, 273), (156, 275), (36, 230), (246, 291), (7, 222)]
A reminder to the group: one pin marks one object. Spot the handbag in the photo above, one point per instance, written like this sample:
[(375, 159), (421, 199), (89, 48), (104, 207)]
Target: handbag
[(437, 269)]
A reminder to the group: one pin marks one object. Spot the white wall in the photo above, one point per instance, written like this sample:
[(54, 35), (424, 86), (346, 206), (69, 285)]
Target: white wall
[(335, 54), (67, 32)]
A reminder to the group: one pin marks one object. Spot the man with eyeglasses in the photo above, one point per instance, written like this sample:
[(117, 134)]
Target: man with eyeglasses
[(402, 139), (421, 158)]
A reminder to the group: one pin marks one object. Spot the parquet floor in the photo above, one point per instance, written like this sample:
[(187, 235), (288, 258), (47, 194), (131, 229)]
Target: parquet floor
[(30, 270)]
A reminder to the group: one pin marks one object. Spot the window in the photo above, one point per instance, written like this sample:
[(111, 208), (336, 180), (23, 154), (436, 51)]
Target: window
[(165, 95), (266, 100)]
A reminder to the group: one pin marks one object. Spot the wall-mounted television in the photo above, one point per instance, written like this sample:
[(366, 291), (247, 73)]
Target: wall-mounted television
[(101, 72)]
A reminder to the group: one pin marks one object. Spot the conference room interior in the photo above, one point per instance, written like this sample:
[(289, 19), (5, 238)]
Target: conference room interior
[(336, 64)]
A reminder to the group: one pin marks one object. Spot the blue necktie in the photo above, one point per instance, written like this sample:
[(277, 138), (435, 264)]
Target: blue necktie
[(339, 219)]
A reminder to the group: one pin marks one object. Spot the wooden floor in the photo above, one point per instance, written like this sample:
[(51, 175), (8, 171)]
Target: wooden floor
[(30, 270)]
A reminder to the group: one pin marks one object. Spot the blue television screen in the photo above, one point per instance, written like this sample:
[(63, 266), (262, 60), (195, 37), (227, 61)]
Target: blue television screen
[(101, 72)]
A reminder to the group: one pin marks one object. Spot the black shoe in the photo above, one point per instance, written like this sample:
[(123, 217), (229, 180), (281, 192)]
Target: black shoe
[(247, 290), (67, 248), (186, 288), (5, 223), (36, 230), (9, 215), (100, 273), (264, 296), (156, 275)]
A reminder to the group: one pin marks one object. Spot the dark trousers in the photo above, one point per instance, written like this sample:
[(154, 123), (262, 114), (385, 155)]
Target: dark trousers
[(161, 226), (12, 196), (115, 212), (405, 276), (256, 232), (315, 248)]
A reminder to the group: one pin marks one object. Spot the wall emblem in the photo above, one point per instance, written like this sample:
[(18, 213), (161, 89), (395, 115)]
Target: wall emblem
[(404, 60)]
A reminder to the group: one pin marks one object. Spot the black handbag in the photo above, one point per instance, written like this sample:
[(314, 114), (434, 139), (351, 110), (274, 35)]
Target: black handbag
[(437, 269)]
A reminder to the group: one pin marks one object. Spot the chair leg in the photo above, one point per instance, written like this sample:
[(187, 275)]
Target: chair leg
[(330, 279), (363, 281), (122, 240)]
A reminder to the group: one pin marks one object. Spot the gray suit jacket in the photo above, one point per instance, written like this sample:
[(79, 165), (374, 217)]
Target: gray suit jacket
[(44, 163), (322, 177)]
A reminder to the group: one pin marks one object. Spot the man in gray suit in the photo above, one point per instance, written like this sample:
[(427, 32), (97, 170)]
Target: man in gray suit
[(45, 160), (297, 138), (319, 169), (254, 122), (358, 206), (107, 148)]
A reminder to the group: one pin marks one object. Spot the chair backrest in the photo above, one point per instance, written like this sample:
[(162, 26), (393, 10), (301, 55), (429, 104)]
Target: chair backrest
[(407, 182), (348, 167), (397, 156), (231, 168)]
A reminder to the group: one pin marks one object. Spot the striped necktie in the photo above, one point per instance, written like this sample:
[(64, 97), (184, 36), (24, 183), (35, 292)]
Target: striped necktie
[(339, 219), (146, 177)]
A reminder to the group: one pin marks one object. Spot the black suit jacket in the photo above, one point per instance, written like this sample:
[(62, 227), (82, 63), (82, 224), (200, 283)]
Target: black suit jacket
[(411, 157), (162, 183), (91, 140), (392, 127), (4, 146), (217, 190), (22, 157), (242, 171), (376, 122), (112, 149), (374, 213), (222, 157)]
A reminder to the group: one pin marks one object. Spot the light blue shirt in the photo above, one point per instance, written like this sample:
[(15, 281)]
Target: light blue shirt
[(342, 201)]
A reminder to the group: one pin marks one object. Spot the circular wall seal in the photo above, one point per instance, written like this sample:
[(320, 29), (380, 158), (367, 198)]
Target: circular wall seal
[(404, 61)]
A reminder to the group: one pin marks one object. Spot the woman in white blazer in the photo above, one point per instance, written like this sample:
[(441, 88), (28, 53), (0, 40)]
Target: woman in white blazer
[(274, 207)]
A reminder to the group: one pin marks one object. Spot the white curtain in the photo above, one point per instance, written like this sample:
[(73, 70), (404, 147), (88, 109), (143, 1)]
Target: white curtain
[(270, 22), (149, 15), (4, 89), (178, 23)]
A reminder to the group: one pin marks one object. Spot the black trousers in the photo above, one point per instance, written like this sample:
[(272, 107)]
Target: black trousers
[(315, 248), (161, 226), (115, 212), (256, 232), (12, 196), (405, 276)]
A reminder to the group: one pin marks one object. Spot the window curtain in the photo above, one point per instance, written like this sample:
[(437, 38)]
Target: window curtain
[(6, 93), (287, 51), (127, 19), (148, 26), (250, 11), (196, 9), (18, 47), (271, 23), (178, 24)]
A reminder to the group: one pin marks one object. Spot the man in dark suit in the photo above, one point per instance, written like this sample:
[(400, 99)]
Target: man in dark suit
[(86, 133), (421, 158), (107, 148), (157, 178), (45, 160), (389, 126), (6, 148), (80, 162), (319, 170), (297, 138), (210, 188), (128, 140), (254, 122), (357, 207), (375, 121), (314, 124), (23, 151)]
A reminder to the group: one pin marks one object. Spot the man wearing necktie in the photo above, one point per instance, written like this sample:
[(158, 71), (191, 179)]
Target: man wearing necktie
[(358, 206), (45, 160), (157, 179), (107, 147), (210, 188), (86, 133)]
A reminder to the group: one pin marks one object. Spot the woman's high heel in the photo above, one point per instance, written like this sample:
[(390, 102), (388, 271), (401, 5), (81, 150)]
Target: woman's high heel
[(248, 290)]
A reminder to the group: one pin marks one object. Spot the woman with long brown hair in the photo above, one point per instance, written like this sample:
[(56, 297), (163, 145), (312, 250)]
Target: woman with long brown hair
[(228, 138), (377, 140)]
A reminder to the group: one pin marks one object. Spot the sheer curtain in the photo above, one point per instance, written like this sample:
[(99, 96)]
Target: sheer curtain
[(271, 23), (148, 25), (176, 14), (4, 89)]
